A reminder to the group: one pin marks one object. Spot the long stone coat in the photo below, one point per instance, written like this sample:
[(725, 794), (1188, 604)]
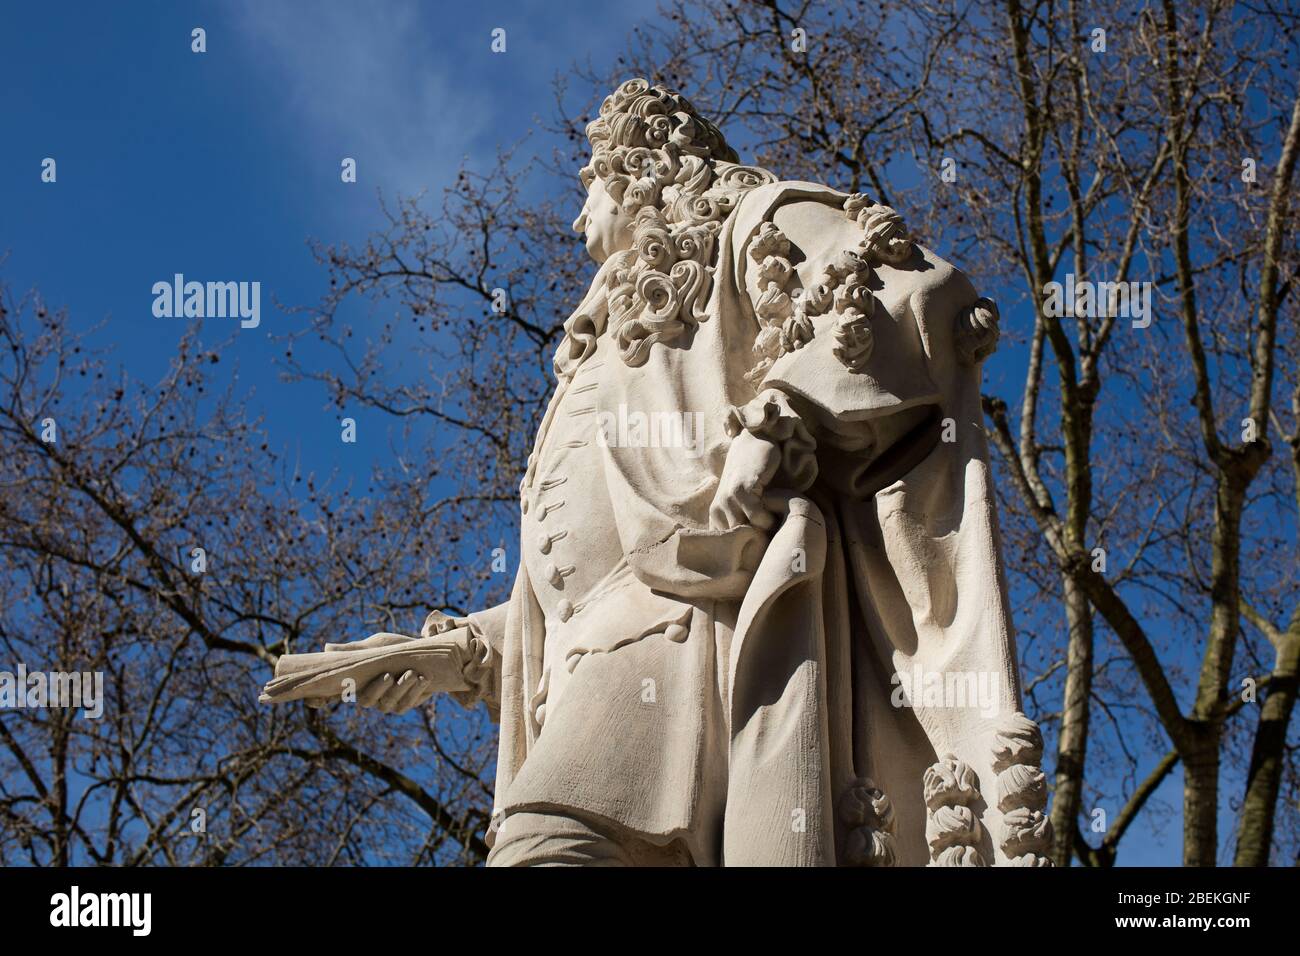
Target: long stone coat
[(770, 697)]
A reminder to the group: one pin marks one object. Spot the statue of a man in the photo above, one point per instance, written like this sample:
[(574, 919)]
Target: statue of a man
[(760, 615)]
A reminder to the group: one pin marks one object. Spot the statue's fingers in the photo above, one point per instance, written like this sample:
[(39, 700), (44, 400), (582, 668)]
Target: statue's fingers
[(391, 701), (370, 695), (416, 692), (389, 697), (397, 697)]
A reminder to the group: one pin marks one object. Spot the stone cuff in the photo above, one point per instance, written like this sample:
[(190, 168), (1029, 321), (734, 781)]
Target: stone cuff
[(481, 660)]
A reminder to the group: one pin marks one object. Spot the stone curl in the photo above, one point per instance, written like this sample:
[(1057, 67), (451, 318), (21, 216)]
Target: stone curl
[(672, 172)]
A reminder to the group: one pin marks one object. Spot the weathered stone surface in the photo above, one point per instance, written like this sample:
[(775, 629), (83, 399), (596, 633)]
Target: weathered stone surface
[(760, 616)]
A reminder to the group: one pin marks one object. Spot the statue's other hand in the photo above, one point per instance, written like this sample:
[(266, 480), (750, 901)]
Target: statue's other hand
[(392, 692), (751, 464)]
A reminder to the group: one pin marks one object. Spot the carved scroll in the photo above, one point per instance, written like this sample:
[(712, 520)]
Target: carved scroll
[(885, 238), (952, 829), (866, 810), (977, 331), (1022, 792)]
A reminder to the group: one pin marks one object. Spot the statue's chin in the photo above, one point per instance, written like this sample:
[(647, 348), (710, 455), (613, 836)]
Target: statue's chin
[(602, 245), (596, 249)]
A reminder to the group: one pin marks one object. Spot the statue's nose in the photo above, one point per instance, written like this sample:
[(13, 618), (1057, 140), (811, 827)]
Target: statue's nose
[(580, 224)]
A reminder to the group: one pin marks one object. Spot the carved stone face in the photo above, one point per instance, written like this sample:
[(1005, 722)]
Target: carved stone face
[(607, 228)]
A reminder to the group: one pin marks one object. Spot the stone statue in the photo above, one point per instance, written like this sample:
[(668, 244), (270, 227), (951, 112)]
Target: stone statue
[(760, 615)]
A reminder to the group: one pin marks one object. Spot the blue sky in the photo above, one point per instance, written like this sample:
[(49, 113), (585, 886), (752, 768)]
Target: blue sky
[(221, 165)]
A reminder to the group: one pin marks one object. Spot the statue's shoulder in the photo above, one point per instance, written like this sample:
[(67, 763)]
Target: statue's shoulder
[(810, 201), (828, 229)]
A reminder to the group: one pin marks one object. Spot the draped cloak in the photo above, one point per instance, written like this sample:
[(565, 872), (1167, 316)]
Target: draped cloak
[(727, 688)]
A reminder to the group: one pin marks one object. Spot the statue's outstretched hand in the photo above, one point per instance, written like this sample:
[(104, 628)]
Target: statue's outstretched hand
[(751, 464), (395, 692)]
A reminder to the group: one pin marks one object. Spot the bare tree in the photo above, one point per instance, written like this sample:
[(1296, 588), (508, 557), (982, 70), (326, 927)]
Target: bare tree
[(109, 487), (1151, 524)]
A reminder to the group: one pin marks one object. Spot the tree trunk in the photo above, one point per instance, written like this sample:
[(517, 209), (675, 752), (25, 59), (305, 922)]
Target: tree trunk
[(1072, 741), (1201, 795), (1265, 777)]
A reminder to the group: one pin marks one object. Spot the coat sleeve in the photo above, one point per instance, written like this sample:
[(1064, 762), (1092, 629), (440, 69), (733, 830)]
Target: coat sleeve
[(841, 345), (483, 640)]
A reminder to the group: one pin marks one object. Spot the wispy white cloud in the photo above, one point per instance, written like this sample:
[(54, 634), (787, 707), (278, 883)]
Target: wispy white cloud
[(366, 80)]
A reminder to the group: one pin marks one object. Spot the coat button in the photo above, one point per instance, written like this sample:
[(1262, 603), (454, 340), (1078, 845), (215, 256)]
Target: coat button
[(553, 575), (564, 609)]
